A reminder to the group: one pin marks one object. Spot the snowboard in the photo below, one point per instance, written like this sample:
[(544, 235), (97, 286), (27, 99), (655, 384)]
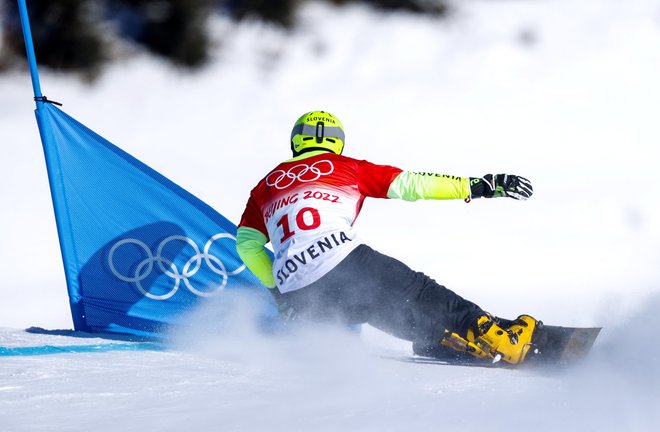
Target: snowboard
[(553, 346)]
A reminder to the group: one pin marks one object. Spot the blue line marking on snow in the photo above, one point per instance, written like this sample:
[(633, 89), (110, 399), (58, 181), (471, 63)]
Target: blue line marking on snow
[(70, 349)]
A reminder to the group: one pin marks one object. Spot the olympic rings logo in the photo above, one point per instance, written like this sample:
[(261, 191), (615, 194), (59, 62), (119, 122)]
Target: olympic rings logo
[(166, 266), (302, 172)]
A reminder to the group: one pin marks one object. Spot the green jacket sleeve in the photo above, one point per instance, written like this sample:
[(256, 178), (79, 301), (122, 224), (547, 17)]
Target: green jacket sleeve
[(250, 247), (412, 186)]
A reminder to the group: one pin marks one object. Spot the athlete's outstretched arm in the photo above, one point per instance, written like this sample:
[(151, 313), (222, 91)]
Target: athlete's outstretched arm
[(412, 186)]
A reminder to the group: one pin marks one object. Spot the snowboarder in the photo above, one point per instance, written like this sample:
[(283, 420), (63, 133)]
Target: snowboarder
[(322, 270)]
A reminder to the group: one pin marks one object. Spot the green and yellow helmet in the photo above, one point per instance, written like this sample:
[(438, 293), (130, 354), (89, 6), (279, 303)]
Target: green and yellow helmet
[(317, 130)]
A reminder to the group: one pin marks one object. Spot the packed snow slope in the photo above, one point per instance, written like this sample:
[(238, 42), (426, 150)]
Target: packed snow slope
[(565, 93)]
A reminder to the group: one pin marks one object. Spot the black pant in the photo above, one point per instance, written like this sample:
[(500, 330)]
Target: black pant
[(369, 287)]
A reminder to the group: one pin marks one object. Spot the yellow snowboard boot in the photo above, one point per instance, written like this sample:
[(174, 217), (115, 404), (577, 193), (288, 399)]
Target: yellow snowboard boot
[(510, 344)]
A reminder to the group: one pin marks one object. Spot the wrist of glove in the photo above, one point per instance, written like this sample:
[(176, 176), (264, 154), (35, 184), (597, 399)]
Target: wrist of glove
[(501, 185)]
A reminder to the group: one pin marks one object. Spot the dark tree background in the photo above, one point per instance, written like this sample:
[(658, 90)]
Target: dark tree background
[(63, 34), (282, 12), (71, 35)]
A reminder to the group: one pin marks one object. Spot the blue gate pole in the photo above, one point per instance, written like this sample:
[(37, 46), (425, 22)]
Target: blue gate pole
[(29, 48), (55, 177)]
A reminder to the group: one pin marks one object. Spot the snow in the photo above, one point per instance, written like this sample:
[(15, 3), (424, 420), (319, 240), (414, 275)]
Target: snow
[(565, 93)]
